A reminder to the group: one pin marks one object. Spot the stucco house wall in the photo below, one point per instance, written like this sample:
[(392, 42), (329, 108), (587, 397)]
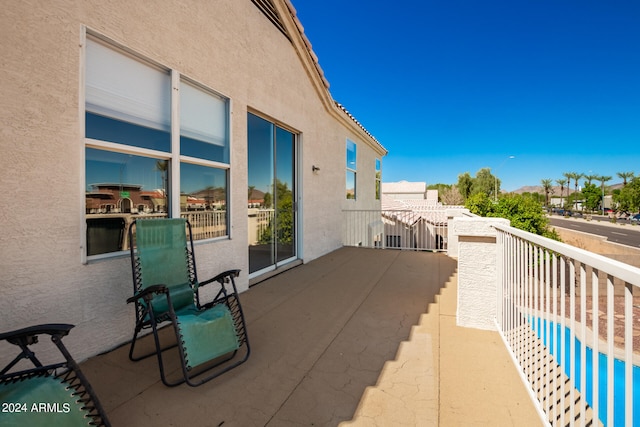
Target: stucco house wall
[(404, 190), (229, 46)]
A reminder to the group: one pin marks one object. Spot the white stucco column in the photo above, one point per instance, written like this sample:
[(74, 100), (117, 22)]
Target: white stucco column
[(452, 239), (477, 289)]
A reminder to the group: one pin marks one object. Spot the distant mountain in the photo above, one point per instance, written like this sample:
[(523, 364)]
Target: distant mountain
[(528, 189), (556, 189), (539, 189), (615, 186)]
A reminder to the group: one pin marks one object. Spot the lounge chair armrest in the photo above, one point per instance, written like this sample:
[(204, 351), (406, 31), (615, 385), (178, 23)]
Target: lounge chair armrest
[(28, 334), (222, 277), (148, 292)]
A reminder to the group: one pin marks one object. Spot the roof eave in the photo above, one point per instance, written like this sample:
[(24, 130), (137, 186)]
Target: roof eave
[(312, 65)]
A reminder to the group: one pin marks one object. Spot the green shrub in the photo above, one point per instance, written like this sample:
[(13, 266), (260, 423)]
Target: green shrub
[(523, 212)]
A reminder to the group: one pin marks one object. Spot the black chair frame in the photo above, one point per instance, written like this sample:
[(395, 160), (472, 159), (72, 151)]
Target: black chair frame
[(67, 371), (146, 318)]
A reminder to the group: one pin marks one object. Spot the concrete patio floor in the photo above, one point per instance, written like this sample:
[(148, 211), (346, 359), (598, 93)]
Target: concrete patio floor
[(358, 337)]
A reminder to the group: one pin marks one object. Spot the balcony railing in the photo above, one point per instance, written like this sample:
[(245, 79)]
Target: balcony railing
[(412, 229), (570, 322), (259, 222), (207, 224)]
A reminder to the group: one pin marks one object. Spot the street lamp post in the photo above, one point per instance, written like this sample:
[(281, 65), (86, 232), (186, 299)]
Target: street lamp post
[(495, 176)]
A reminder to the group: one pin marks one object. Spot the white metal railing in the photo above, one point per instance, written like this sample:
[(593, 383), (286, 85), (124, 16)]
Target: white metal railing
[(207, 224), (264, 220), (259, 222), (413, 229), (552, 296)]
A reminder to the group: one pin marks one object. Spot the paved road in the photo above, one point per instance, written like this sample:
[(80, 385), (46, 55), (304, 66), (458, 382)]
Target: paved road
[(623, 234)]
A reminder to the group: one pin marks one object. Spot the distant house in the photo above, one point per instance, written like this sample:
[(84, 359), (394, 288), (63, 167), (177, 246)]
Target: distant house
[(412, 216), (405, 190), (178, 108), (256, 199), (412, 225), (123, 198)]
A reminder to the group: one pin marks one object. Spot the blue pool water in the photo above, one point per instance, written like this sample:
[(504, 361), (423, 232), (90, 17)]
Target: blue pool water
[(540, 326)]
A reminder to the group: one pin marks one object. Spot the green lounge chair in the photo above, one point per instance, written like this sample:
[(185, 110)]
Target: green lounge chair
[(55, 394), (211, 338)]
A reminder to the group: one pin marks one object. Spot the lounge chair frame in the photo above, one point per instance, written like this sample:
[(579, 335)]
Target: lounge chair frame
[(67, 371), (147, 318)]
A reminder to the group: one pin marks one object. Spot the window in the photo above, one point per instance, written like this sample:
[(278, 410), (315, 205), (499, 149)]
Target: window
[(203, 130), (272, 220), (394, 241), (351, 170), (126, 101), (132, 159), (378, 179)]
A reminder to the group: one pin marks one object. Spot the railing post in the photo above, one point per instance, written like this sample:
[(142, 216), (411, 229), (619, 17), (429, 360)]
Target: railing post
[(452, 239), (477, 275)]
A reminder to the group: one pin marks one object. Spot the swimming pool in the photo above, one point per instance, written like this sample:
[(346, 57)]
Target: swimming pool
[(540, 327)]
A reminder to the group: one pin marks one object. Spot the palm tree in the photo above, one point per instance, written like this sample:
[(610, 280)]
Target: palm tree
[(625, 176), (603, 179), (546, 185), (590, 178), (162, 166), (561, 183), (576, 176), (569, 176)]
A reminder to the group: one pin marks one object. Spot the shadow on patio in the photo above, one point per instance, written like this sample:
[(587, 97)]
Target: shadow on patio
[(358, 336)]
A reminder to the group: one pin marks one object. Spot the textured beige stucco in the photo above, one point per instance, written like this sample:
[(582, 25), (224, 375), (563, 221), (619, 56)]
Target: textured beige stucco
[(228, 46), (477, 280)]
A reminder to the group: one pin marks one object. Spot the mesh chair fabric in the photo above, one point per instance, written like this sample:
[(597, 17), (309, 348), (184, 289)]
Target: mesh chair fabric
[(44, 400), (162, 250)]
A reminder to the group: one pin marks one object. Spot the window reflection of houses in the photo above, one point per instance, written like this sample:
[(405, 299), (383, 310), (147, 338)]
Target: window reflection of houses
[(112, 207), (192, 203), (206, 210), (256, 198), (108, 198), (210, 198)]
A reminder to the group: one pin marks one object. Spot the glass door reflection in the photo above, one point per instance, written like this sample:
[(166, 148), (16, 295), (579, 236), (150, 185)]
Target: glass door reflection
[(284, 195), (271, 194)]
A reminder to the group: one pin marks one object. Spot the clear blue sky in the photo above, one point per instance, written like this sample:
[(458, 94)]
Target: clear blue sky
[(452, 86)]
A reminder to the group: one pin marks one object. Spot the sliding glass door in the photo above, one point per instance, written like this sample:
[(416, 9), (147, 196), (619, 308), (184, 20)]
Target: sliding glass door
[(271, 195)]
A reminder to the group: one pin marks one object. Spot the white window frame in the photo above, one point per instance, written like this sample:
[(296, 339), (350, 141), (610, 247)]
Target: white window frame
[(352, 170), (174, 157), (378, 183)]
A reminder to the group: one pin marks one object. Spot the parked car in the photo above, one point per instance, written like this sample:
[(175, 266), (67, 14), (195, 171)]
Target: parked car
[(635, 218)]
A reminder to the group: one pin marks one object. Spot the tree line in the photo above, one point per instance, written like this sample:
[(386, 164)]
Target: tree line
[(590, 195), (481, 195), (625, 199)]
